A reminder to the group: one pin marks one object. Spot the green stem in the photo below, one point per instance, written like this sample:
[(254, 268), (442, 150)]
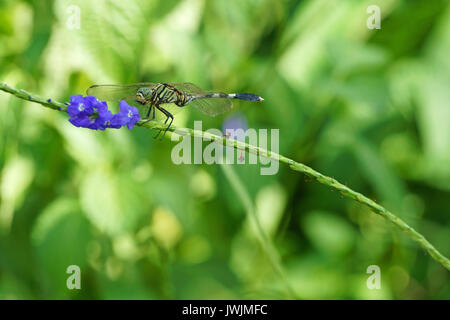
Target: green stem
[(22, 94), (267, 245), (296, 166)]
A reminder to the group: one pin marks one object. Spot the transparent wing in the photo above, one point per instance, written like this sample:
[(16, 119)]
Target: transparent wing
[(116, 92), (209, 106), (188, 87), (213, 106)]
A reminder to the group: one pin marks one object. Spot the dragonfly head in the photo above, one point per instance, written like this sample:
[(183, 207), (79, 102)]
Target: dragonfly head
[(143, 95)]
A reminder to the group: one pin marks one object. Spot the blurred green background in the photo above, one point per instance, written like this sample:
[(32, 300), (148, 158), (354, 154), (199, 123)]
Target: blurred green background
[(367, 107)]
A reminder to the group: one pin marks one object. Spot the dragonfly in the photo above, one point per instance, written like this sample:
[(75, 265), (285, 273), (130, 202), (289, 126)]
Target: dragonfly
[(168, 99)]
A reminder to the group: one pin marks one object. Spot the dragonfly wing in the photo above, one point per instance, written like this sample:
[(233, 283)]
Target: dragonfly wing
[(209, 106), (188, 87), (116, 92), (212, 106)]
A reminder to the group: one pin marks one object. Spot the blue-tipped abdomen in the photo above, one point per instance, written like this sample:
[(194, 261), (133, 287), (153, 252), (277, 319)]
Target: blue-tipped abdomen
[(248, 97)]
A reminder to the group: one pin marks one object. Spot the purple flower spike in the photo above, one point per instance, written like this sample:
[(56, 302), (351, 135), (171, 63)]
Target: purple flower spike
[(82, 114)]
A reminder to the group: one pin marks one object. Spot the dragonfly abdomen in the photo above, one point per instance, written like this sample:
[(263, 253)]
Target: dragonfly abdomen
[(248, 97)]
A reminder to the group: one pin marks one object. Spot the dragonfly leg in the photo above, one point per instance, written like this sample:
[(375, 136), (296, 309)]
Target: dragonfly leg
[(168, 115), (156, 136), (148, 114)]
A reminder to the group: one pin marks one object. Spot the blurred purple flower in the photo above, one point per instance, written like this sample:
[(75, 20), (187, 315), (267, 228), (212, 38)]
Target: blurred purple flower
[(235, 122), (231, 125)]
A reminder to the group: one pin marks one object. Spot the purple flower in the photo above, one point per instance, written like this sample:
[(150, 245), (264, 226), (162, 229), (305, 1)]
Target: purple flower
[(82, 121), (104, 120), (95, 103), (80, 106), (128, 115)]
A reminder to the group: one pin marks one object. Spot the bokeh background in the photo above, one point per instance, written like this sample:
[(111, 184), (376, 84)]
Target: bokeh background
[(367, 107)]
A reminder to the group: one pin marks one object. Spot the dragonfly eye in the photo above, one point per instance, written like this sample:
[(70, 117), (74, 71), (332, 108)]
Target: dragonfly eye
[(140, 97), (143, 95)]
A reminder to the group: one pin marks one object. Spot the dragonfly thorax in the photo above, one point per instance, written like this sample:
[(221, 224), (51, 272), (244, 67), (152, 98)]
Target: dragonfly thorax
[(143, 95)]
